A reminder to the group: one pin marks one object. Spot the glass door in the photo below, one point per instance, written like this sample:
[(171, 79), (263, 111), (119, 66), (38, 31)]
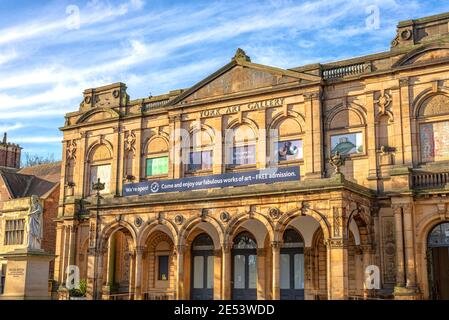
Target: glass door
[(244, 267), (292, 266), (202, 283)]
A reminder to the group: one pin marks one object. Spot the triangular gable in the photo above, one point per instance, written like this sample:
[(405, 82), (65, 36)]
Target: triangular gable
[(241, 75)]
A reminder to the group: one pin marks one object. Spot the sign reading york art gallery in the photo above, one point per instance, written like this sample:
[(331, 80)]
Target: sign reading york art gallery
[(213, 181)]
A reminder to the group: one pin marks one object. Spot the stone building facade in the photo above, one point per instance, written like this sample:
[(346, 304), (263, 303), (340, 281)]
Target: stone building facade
[(369, 136)]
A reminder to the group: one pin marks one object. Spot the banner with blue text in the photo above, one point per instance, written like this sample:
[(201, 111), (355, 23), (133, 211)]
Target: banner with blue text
[(244, 178)]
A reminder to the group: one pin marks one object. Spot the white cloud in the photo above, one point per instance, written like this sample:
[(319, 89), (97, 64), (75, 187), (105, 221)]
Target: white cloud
[(37, 139)]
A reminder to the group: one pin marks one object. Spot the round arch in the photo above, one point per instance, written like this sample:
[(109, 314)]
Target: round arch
[(164, 226), (424, 228), (239, 221), (285, 220), (207, 225)]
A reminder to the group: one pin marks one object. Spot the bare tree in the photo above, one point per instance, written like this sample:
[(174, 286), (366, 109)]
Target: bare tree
[(31, 160)]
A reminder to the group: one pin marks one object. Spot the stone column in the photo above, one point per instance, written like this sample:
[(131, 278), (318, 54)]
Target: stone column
[(227, 263), (337, 272), (180, 251), (400, 277), (409, 247), (371, 147), (138, 282), (308, 269), (261, 275), (275, 246), (217, 274), (313, 144)]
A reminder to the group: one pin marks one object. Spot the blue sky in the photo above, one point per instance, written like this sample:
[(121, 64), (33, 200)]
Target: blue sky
[(47, 59)]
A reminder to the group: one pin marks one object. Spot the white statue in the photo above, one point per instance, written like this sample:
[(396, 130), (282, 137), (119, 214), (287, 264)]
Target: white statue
[(35, 226)]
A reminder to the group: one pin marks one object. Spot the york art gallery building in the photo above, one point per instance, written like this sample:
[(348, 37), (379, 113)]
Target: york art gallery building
[(331, 168)]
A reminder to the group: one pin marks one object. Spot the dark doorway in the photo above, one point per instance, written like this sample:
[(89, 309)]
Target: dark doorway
[(292, 266), (202, 283), (244, 267), (438, 262)]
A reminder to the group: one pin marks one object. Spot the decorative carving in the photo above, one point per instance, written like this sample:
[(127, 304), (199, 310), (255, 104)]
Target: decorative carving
[(130, 141), (160, 217), (337, 160), (404, 82), (118, 218), (275, 213), (204, 213), (384, 103), (389, 250), (179, 219), (303, 207), (337, 243), (240, 56), (276, 245), (406, 34), (138, 221), (71, 149), (224, 216), (435, 105), (337, 221)]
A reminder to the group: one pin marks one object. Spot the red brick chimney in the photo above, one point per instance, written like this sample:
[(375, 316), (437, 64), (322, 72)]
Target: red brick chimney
[(9, 154)]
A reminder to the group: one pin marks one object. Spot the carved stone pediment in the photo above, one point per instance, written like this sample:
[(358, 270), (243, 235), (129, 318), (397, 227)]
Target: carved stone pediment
[(110, 96), (239, 76)]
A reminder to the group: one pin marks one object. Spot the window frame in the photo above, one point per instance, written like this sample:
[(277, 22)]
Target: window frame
[(157, 156), (423, 121), (348, 130), (165, 256)]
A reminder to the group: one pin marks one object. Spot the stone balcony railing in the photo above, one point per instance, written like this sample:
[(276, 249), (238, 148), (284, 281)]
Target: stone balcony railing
[(344, 71), (430, 180)]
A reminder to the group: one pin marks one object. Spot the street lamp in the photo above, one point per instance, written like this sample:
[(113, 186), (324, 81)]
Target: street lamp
[(98, 187)]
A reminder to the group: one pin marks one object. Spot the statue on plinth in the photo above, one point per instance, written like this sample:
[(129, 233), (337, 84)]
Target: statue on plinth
[(35, 224)]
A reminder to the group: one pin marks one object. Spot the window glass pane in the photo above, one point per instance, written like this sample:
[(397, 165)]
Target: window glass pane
[(348, 143), (239, 271), (252, 269), (104, 173), (285, 271), (434, 138), (157, 166), (289, 150), (163, 268), (244, 155), (200, 160), (210, 272), (207, 160), (299, 271), (198, 272)]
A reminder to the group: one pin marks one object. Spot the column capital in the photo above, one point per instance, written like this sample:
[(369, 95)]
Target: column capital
[(226, 247), (276, 245), (140, 249), (336, 243), (180, 249)]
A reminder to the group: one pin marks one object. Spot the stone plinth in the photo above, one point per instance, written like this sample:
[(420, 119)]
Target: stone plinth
[(27, 275)]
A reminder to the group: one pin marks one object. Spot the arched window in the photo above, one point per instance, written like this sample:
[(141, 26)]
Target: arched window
[(157, 158), (288, 145), (100, 160), (242, 151), (434, 128), (346, 133), (244, 240), (439, 237), (200, 151)]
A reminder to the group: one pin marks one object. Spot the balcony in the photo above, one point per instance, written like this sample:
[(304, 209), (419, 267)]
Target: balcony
[(430, 180), (337, 72)]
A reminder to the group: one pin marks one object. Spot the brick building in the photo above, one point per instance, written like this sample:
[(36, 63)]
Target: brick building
[(17, 186), (267, 183)]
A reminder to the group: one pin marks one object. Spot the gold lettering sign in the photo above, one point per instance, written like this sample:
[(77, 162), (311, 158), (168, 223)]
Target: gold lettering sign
[(258, 105)]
